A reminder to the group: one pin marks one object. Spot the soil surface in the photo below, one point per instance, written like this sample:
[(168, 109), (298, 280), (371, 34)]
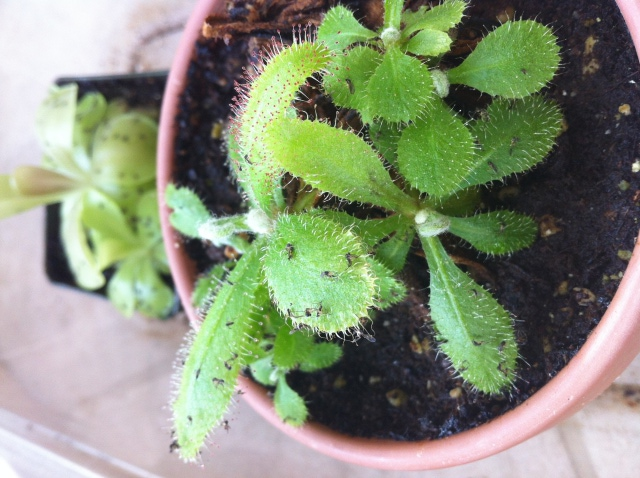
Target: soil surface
[(586, 198)]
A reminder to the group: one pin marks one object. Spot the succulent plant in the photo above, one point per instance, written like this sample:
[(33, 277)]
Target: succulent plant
[(99, 164)]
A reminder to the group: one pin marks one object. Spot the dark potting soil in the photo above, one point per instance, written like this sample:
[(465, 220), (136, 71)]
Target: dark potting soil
[(585, 197), (142, 90)]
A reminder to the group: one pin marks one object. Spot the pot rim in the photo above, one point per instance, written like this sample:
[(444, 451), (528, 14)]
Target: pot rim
[(609, 349)]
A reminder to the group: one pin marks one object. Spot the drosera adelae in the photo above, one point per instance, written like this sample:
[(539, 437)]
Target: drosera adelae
[(321, 272)]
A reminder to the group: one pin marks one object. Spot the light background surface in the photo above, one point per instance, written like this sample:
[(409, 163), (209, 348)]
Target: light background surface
[(84, 391)]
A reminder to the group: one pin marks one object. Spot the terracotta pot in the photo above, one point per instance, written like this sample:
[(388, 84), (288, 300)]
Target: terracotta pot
[(607, 352)]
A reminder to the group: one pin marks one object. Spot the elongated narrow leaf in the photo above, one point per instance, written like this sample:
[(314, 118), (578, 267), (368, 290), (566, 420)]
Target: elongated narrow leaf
[(441, 17), (513, 136), (335, 161), (289, 406), (222, 346), (317, 273), (339, 29), (400, 89), (498, 232), (267, 98), (437, 153), (474, 331), (515, 60)]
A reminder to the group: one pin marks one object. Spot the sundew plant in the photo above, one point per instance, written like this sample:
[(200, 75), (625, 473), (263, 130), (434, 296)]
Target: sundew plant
[(99, 164), (309, 267)]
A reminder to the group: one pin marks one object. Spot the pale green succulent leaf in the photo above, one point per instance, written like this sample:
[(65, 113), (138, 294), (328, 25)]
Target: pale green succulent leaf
[(513, 137), (289, 406), (474, 330), (124, 150), (437, 153), (12, 202), (353, 171), (497, 232), (80, 256), (225, 342), (400, 89), (55, 118), (136, 286), (90, 111), (339, 29), (515, 60), (317, 273)]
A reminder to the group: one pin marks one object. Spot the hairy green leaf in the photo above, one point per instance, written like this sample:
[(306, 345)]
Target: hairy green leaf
[(223, 345), (290, 348), (370, 231), (393, 253), (289, 406), (317, 273), (515, 60), (353, 171), (189, 212), (321, 355), (429, 43), (497, 232), (339, 29), (348, 75), (385, 137), (262, 103), (513, 136), (474, 331), (440, 17), (390, 290), (436, 154), (400, 89)]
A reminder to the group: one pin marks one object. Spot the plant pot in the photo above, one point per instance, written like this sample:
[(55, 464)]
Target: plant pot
[(607, 352)]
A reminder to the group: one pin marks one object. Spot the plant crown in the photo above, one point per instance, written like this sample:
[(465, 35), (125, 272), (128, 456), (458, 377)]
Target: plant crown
[(99, 164), (314, 267)]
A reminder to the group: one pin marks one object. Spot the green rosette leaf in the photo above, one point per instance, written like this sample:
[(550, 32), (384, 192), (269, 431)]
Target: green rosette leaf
[(474, 330), (515, 60), (497, 232), (437, 153), (339, 29), (317, 273)]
